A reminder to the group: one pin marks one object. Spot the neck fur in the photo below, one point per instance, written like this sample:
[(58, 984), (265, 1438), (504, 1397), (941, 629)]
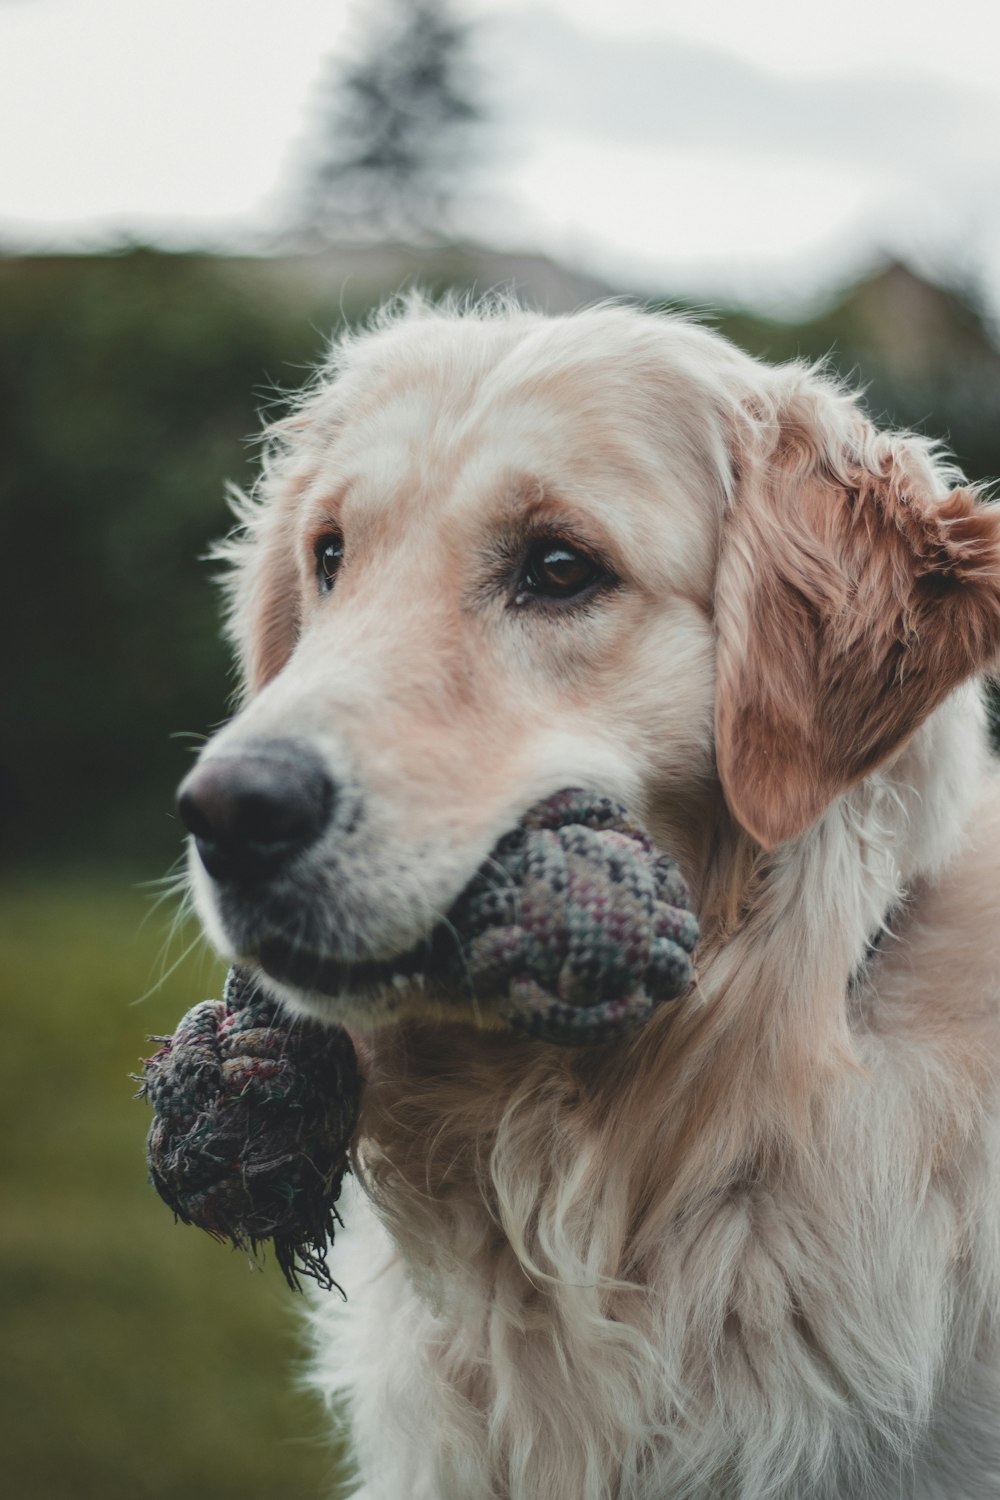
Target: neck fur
[(586, 1216), (730, 1081)]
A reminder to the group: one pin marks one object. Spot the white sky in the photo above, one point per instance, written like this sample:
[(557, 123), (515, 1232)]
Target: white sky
[(707, 146)]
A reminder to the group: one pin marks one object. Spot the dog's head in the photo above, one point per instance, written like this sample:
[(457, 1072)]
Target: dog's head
[(495, 555)]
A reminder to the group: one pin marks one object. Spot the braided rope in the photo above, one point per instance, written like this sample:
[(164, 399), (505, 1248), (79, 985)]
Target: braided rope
[(575, 929)]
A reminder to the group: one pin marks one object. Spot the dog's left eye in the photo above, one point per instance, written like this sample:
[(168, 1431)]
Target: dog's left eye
[(329, 554), (555, 570)]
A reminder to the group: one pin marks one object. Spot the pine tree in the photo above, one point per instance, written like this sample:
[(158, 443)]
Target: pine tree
[(397, 130)]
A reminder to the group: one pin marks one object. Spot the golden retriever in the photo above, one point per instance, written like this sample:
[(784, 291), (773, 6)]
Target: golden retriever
[(754, 1251)]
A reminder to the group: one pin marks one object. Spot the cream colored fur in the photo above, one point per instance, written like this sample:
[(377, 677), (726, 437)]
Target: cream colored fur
[(755, 1252)]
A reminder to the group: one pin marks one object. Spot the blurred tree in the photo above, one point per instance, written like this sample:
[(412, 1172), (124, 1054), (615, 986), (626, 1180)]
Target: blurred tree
[(396, 133)]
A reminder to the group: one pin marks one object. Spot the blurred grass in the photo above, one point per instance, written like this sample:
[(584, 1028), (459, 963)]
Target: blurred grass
[(141, 1358)]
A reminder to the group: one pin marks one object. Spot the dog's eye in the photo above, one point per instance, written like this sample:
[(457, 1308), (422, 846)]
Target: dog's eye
[(329, 552), (556, 570)]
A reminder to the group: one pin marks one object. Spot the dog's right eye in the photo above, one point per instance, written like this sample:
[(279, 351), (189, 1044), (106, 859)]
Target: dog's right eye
[(329, 553), (555, 571)]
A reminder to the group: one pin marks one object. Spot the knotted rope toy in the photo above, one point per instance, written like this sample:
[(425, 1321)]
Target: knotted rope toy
[(253, 1116), (573, 932), (574, 929)]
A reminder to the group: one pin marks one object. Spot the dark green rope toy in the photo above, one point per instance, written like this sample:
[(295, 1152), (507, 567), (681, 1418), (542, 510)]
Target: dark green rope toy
[(573, 931)]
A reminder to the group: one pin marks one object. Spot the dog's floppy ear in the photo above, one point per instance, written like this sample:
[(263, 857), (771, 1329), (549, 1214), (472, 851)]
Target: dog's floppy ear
[(262, 580), (261, 585), (852, 598), (269, 603)]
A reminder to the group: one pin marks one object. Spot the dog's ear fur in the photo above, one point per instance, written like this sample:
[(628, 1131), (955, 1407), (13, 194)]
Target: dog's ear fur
[(852, 597), (261, 578), (265, 623)]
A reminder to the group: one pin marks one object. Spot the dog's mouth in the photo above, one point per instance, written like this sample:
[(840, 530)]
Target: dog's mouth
[(572, 930), (307, 954), (317, 935), (304, 968)]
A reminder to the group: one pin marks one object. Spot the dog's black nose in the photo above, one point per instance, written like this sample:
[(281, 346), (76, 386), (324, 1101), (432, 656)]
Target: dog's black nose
[(252, 810)]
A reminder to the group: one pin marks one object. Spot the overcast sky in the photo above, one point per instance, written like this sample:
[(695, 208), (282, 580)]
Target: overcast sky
[(704, 147)]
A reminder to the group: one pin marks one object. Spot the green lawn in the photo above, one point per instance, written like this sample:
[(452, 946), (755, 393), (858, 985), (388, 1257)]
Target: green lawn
[(142, 1361)]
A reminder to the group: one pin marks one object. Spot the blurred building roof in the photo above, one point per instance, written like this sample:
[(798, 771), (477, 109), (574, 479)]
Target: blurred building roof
[(364, 273), (916, 330)]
